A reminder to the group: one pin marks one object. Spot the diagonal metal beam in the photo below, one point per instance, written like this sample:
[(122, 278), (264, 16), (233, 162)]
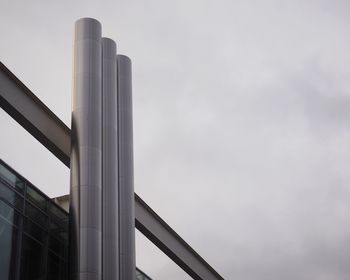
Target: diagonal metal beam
[(167, 240), (34, 116)]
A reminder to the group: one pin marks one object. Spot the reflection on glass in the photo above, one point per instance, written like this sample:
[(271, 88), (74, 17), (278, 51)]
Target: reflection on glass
[(32, 259), (58, 240), (57, 213), (43, 226), (11, 178), (8, 248), (34, 231), (35, 197), (36, 215), (11, 196), (58, 246), (9, 214), (57, 268)]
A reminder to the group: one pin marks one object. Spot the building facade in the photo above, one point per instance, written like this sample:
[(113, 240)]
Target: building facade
[(33, 232)]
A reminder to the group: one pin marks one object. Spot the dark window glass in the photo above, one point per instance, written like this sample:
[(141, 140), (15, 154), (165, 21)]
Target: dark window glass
[(32, 259), (11, 196), (59, 231), (8, 249), (64, 236), (36, 215), (7, 213), (57, 268), (57, 213), (11, 178), (58, 246), (64, 270), (35, 197), (35, 231)]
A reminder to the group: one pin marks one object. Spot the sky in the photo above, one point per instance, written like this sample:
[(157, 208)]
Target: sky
[(241, 124)]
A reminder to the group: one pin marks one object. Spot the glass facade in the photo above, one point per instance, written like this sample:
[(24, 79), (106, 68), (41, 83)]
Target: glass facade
[(33, 232)]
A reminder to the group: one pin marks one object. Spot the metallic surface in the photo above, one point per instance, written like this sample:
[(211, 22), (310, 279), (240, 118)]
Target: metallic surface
[(110, 198), (23, 106), (126, 171), (85, 217), (167, 240), (47, 128)]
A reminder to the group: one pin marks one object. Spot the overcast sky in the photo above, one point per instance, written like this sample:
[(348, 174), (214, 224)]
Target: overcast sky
[(241, 124)]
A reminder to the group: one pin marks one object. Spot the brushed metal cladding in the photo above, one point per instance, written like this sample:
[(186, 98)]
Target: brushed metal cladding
[(110, 201), (86, 153), (126, 170)]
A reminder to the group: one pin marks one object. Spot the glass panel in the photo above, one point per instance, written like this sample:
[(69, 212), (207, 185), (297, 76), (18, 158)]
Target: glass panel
[(57, 268), (32, 259), (8, 249), (59, 231), (53, 267), (35, 231), (11, 196), (36, 215), (7, 213), (64, 236), (35, 197), (10, 177), (57, 246), (57, 213)]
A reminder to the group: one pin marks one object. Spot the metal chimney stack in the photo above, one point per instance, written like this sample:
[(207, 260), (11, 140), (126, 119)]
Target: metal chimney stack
[(102, 232), (86, 154), (126, 170), (110, 224)]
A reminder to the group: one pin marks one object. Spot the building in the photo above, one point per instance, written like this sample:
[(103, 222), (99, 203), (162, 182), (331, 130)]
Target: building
[(33, 232)]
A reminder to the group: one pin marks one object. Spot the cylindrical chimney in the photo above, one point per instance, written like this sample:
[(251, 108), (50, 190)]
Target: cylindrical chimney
[(86, 154), (126, 171), (110, 199)]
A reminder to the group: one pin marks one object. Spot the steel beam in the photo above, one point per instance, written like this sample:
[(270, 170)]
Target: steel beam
[(19, 102), (33, 115), (167, 240)]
